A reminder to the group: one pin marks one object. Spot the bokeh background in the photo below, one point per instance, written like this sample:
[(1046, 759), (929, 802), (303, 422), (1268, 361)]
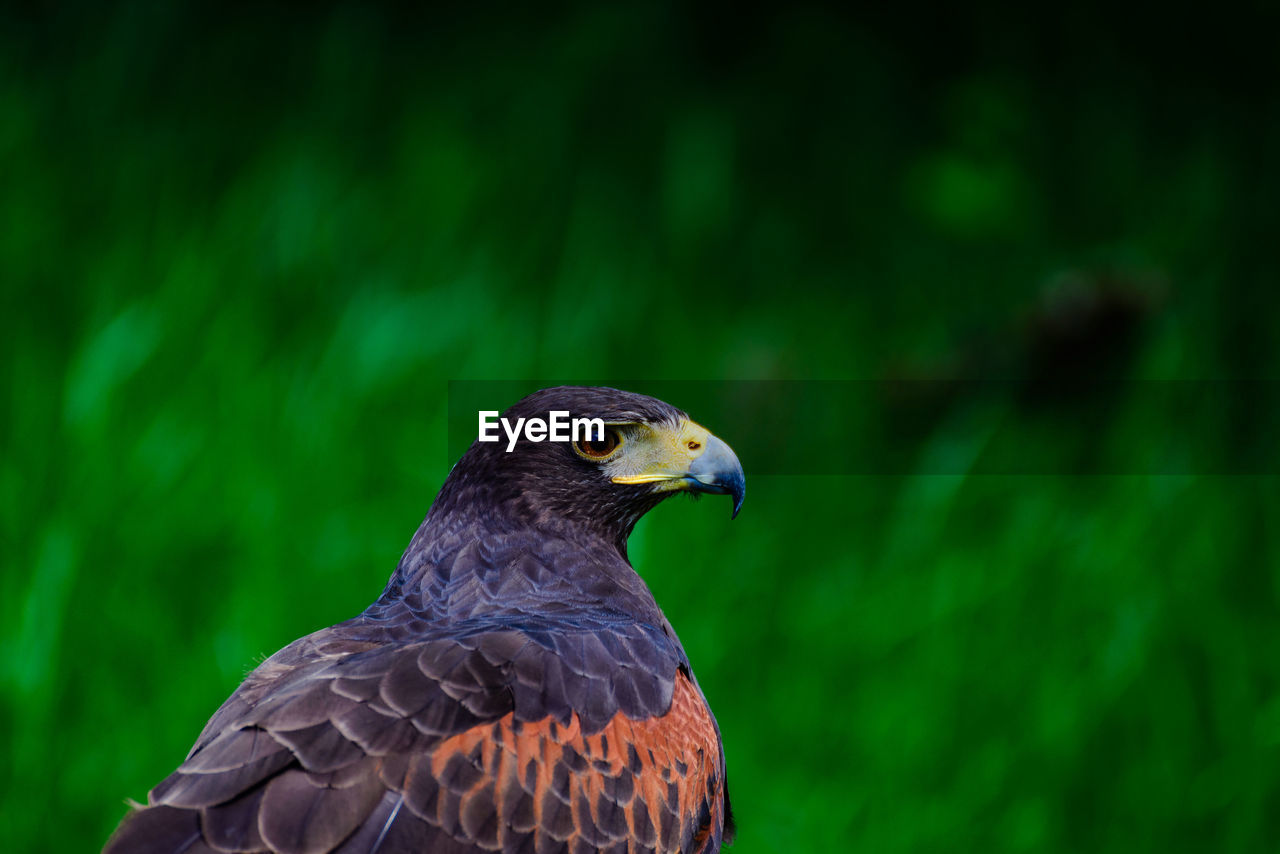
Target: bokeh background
[(244, 249)]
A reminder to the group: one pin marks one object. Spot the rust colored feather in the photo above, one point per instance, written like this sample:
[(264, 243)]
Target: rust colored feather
[(588, 789)]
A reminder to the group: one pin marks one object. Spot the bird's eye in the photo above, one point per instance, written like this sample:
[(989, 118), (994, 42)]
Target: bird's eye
[(598, 449)]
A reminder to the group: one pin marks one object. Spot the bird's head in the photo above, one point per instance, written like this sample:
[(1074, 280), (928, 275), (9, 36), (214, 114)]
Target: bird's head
[(635, 452)]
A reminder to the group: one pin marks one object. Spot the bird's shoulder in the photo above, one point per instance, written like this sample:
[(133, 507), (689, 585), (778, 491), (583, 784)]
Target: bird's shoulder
[(484, 735)]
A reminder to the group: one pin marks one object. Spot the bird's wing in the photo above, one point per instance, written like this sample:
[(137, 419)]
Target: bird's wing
[(498, 741)]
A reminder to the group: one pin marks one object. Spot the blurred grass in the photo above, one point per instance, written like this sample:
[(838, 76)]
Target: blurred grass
[(243, 253)]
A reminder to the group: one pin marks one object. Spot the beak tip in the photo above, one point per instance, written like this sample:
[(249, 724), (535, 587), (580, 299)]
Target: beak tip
[(719, 471)]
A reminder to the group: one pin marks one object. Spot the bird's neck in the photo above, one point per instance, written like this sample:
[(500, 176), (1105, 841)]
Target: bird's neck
[(463, 565)]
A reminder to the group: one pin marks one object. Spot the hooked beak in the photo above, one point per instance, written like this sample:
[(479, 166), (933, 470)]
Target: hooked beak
[(717, 471)]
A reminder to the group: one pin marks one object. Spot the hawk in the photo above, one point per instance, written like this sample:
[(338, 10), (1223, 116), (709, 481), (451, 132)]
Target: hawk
[(515, 687)]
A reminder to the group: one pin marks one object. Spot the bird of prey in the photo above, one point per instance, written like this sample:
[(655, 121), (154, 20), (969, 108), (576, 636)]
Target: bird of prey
[(515, 687)]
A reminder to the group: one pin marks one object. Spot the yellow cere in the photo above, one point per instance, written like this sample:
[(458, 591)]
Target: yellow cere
[(658, 453)]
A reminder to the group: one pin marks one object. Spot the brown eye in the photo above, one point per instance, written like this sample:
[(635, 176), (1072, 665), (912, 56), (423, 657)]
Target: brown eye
[(598, 449)]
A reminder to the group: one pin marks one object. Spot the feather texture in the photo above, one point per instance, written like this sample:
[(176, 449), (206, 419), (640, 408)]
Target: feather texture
[(516, 688)]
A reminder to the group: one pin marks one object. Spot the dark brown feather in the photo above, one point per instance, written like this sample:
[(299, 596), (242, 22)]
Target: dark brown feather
[(233, 826), (298, 817)]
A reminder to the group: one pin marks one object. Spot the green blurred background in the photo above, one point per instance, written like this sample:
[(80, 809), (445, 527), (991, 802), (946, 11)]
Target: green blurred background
[(244, 249)]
